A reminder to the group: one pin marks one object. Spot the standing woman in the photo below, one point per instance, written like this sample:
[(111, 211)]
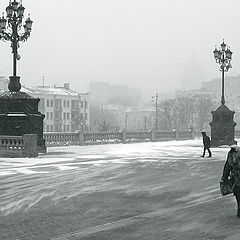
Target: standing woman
[(231, 173)]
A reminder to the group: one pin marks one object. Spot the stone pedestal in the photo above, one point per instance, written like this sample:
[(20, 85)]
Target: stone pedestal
[(222, 127), (30, 145), (19, 115)]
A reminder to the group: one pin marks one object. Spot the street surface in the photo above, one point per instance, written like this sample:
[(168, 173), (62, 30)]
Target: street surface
[(160, 190)]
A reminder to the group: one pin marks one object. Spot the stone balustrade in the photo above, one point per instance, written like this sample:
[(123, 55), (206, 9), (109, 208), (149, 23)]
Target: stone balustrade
[(185, 135), (143, 136), (11, 142), (26, 145), (60, 138), (166, 135), (87, 138), (101, 137), (18, 146)]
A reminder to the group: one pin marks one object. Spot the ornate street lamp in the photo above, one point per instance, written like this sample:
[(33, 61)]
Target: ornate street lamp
[(223, 56), (19, 114), (222, 124), (13, 30)]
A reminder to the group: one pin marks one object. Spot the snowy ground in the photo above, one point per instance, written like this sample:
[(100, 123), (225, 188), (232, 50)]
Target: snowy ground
[(161, 190)]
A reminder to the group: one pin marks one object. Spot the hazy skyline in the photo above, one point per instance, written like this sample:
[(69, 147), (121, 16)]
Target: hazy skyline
[(145, 44)]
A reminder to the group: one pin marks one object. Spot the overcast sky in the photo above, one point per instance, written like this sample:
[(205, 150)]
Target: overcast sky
[(141, 43)]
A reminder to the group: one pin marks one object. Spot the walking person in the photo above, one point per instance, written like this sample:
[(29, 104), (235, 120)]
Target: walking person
[(230, 180), (206, 144)]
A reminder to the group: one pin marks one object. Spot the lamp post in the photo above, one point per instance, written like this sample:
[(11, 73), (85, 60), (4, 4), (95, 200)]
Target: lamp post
[(222, 124), (145, 122), (126, 120), (19, 112), (223, 56), (155, 101), (13, 30)]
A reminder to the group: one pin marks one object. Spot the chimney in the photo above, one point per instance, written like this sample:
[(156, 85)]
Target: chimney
[(66, 85)]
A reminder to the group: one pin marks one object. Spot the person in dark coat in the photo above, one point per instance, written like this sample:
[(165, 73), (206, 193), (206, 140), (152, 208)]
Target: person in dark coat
[(231, 171), (206, 144)]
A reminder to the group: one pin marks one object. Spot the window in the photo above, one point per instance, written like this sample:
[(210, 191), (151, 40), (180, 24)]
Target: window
[(74, 104), (81, 104), (74, 116), (68, 128), (85, 116), (68, 104), (58, 116), (47, 128), (64, 103), (67, 116), (47, 115), (58, 103), (51, 115), (58, 128), (64, 116), (47, 102), (85, 103), (51, 103)]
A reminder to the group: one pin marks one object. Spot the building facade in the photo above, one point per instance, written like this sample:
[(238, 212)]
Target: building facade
[(106, 93), (4, 83), (65, 110)]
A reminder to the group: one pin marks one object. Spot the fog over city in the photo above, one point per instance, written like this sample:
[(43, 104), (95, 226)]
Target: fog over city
[(148, 44), (116, 121)]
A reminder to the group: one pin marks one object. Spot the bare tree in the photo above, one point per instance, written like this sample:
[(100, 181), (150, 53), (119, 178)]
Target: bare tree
[(102, 119), (204, 105), (186, 112), (167, 115)]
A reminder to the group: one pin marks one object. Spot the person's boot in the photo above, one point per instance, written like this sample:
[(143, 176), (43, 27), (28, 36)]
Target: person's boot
[(209, 153)]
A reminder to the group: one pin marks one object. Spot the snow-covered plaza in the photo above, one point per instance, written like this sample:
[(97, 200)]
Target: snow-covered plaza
[(153, 190)]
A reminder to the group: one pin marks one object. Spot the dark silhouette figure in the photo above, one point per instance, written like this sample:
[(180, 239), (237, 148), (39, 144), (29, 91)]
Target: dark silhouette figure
[(206, 144), (231, 172)]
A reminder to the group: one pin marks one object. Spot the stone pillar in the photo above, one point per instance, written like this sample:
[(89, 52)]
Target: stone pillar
[(222, 127), (177, 134), (152, 136), (30, 145), (19, 115), (124, 136), (80, 138), (192, 134)]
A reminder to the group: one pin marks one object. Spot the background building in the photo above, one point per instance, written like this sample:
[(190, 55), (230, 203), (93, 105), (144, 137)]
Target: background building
[(65, 110), (114, 94), (4, 83)]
